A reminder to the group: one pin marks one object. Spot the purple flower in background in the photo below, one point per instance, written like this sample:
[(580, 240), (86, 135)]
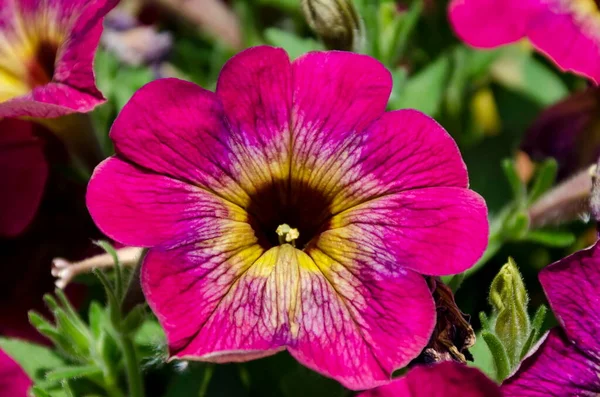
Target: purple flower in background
[(23, 174), (46, 56), (568, 32), (568, 131), (14, 382), (567, 361), (288, 210), (446, 379)]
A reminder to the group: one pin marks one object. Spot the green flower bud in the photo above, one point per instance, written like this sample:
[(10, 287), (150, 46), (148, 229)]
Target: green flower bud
[(509, 300), (336, 22)]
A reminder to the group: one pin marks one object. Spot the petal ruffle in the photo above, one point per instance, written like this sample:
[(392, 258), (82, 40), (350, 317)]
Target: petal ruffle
[(424, 230), (144, 209), (446, 379), (555, 369), (23, 174), (354, 328), (572, 286)]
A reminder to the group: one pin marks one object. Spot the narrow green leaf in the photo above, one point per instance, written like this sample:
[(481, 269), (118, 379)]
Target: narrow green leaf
[(551, 238), (516, 185), (544, 179), (485, 322), (539, 317), (72, 372), (501, 362), (39, 392)]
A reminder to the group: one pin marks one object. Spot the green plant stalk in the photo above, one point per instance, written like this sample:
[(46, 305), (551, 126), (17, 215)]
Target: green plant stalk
[(132, 367)]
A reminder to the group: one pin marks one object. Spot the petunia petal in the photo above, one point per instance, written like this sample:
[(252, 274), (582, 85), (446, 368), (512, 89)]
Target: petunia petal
[(424, 230), (491, 23), (572, 286), (358, 325), (356, 330), (569, 39), (139, 208), (23, 174), (14, 382), (175, 128), (403, 150), (255, 87), (336, 96), (555, 369), (446, 379)]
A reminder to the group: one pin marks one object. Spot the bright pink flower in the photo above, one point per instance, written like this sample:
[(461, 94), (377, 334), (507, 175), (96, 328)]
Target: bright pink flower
[(14, 382), (206, 179), (46, 56), (567, 360), (567, 31), (23, 174), (446, 379)]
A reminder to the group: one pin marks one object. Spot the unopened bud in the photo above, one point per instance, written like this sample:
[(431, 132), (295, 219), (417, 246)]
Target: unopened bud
[(509, 300), (336, 22)]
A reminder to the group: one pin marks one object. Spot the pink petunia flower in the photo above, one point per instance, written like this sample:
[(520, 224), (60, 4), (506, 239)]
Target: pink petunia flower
[(14, 382), (46, 56), (289, 211), (446, 379), (567, 31), (567, 360)]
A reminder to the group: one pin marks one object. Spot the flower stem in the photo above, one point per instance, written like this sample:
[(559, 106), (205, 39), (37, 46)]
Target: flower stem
[(132, 367)]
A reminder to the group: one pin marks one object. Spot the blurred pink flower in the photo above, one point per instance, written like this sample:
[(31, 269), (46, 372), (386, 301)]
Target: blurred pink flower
[(47, 50), (568, 32), (567, 361), (288, 210), (14, 382), (446, 379)]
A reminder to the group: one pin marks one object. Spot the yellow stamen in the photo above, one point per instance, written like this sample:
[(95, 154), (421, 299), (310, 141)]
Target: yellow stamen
[(287, 234)]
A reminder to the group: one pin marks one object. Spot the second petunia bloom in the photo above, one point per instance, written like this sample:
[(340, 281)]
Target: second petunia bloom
[(567, 31), (47, 50), (288, 210)]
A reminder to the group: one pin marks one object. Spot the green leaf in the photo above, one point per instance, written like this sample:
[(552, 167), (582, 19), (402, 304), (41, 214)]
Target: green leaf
[(72, 372), (294, 45), (424, 91), (521, 71), (544, 179), (485, 321), (35, 360), (97, 318), (134, 319), (482, 357), (501, 362), (516, 185), (150, 333), (551, 238)]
